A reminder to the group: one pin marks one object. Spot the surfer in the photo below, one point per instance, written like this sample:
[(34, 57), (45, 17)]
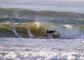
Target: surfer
[(39, 29)]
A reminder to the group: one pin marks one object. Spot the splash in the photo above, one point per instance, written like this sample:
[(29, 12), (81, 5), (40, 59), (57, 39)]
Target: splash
[(69, 32), (16, 34), (30, 34), (14, 31), (68, 26)]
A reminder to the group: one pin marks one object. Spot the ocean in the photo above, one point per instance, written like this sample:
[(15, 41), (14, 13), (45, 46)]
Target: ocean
[(70, 44), (38, 6)]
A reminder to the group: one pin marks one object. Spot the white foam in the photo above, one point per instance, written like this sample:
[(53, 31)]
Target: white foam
[(41, 49), (38, 54)]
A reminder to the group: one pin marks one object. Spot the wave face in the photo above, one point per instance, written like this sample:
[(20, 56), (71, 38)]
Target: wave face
[(69, 25), (20, 30)]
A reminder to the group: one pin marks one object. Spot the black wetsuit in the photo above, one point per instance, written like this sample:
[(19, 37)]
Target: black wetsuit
[(50, 31)]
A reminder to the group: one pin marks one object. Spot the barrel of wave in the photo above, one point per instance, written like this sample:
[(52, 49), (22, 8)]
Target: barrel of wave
[(39, 29)]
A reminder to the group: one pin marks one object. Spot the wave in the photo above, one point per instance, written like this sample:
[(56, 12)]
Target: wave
[(20, 30), (62, 20), (25, 15)]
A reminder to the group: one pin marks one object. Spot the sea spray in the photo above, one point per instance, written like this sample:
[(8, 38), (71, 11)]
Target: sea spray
[(30, 34), (69, 32), (14, 31)]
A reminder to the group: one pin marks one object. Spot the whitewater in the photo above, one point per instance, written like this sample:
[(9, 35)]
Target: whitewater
[(41, 49)]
